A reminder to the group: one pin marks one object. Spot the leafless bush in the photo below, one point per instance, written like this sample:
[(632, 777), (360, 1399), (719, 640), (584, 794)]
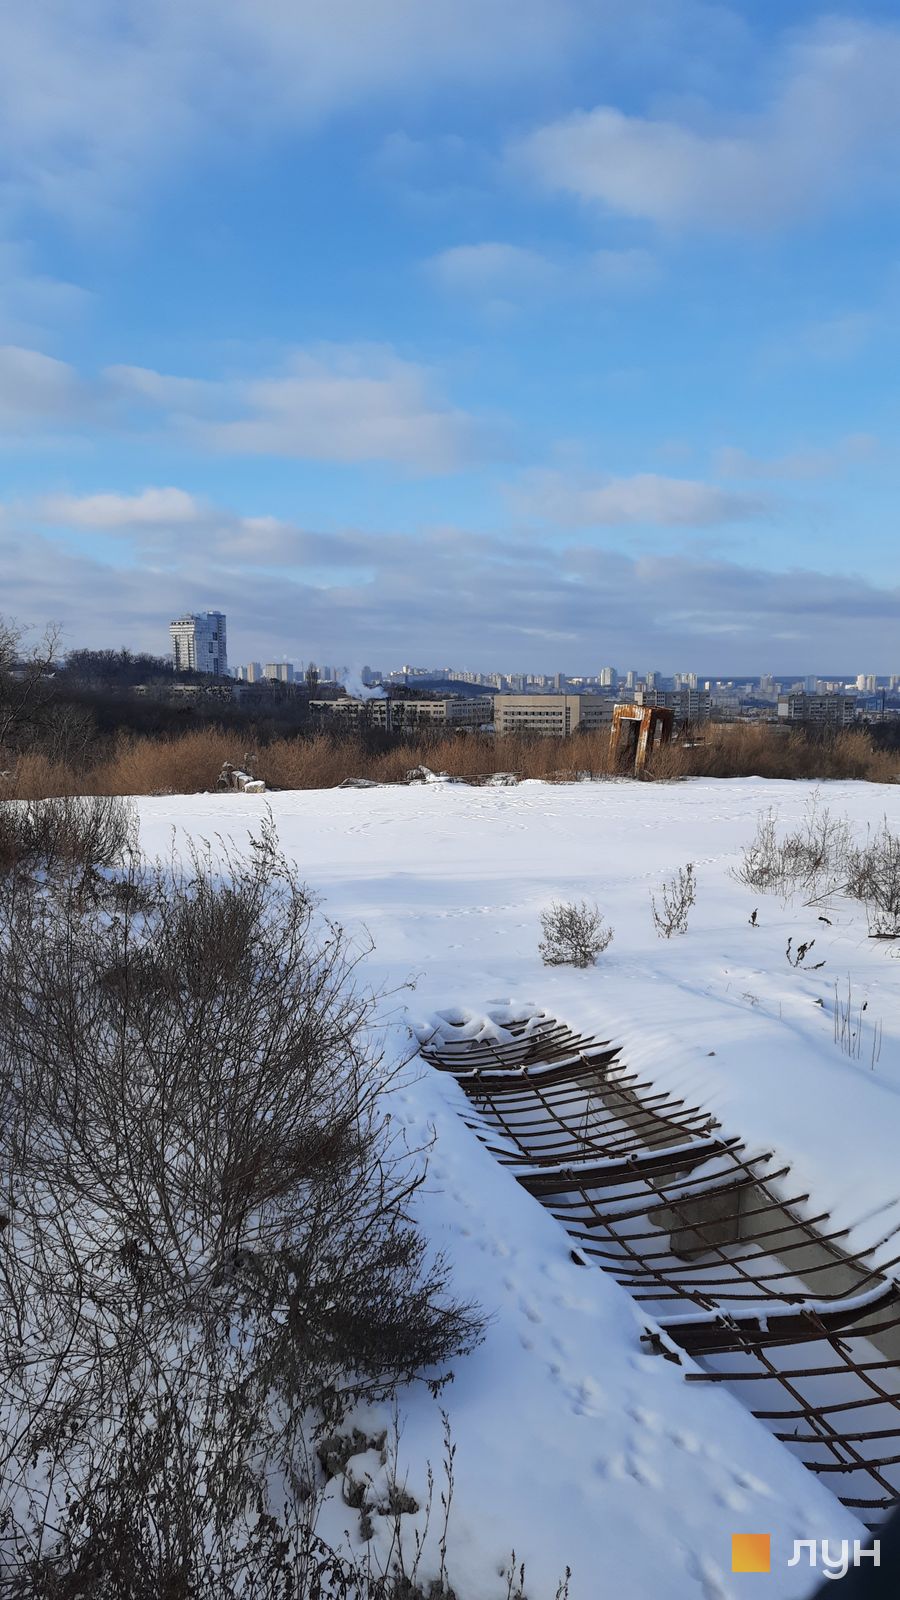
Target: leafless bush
[(70, 832), (811, 859), (678, 895), (205, 1235), (874, 878), (284, 1558), (760, 866), (575, 934)]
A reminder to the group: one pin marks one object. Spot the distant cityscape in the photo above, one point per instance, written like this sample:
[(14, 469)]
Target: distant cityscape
[(557, 702)]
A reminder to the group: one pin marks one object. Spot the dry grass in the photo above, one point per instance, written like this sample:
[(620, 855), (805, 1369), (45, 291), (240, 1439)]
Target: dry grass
[(191, 763), (744, 750)]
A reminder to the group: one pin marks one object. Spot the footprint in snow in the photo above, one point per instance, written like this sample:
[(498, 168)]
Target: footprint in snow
[(643, 1473), (530, 1311), (746, 1480), (710, 1578), (732, 1500), (651, 1420), (683, 1440), (587, 1399)]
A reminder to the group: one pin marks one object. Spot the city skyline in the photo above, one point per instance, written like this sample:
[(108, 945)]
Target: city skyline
[(482, 331)]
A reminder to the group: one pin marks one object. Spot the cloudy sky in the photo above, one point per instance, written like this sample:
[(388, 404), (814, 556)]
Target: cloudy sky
[(510, 334)]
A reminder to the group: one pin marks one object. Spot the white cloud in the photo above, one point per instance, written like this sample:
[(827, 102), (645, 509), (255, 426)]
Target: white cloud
[(32, 301), (646, 499), (496, 272), (149, 508), (168, 526), (434, 595), (36, 388), (492, 267), (830, 124), (813, 461), (339, 403), (93, 93), (625, 269)]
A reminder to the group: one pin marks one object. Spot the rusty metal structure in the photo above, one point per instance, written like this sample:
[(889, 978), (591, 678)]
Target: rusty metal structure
[(768, 1297), (636, 730)]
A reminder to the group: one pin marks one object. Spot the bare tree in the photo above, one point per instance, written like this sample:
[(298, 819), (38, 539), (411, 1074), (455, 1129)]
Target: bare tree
[(26, 675)]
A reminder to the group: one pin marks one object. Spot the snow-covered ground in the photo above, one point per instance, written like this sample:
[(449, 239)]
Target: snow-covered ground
[(572, 1444)]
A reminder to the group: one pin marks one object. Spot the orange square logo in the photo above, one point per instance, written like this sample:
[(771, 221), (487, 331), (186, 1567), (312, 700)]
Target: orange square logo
[(751, 1552)]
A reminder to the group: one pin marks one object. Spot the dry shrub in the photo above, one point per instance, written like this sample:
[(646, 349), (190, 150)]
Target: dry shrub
[(35, 777), (191, 762), (75, 834), (812, 858), (575, 934), (762, 750), (187, 764), (677, 897), (206, 1238), (321, 762), (874, 878)]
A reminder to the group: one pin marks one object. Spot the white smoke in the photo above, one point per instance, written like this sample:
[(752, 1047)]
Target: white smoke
[(357, 690)]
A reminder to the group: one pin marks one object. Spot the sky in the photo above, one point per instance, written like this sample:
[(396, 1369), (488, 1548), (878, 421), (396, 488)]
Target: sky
[(510, 335)]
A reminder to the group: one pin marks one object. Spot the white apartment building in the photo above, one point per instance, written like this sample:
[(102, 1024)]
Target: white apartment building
[(199, 643), (550, 713), (821, 710), (689, 705)]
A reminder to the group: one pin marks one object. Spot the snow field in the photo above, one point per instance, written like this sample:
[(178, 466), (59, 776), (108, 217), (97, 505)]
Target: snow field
[(572, 1443)]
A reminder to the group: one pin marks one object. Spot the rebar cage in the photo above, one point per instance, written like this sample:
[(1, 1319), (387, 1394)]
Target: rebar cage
[(653, 1191)]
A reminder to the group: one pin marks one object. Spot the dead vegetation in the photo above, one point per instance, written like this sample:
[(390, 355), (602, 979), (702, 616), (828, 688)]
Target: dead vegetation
[(812, 859), (206, 1244), (874, 878), (677, 897), (191, 763), (575, 934), (83, 833), (821, 859)]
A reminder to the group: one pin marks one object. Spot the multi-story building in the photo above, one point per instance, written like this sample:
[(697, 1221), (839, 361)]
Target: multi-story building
[(395, 713), (689, 705), (608, 677), (199, 643), (279, 671), (819, 710), (866, 682), (550, 713)]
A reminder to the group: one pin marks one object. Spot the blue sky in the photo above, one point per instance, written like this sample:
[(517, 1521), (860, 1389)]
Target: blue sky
[(509, 334)]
